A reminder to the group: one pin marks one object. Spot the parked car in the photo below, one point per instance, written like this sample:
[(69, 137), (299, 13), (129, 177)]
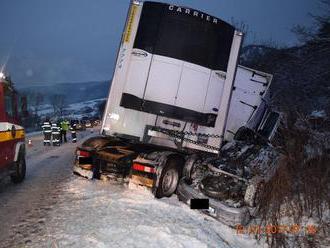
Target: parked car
[(80, 126), (96, 122), (74, 122), (88, 124)]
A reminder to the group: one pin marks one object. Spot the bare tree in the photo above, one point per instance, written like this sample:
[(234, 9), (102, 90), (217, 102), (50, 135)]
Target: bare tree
[(35, 99), (320, 33), (241, 26), (58, 103)]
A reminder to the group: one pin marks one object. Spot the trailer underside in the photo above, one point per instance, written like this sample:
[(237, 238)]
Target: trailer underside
[(231, 182)]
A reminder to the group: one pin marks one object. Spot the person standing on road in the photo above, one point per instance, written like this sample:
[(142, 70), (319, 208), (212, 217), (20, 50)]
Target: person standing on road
[(59, 127), (56, 135), (73, 133), (65, 127), (47, 131)]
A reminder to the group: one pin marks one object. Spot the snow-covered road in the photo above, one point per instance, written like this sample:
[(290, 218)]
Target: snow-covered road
[(54, 208)]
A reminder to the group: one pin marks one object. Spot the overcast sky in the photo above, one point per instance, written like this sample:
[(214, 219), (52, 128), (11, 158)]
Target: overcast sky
[(52, 41)]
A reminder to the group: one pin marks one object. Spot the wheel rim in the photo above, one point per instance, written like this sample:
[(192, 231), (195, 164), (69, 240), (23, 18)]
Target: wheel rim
[(170, 180)]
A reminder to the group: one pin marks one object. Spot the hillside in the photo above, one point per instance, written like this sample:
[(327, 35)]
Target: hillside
[(299, 190), (72, 92), (301, 74)]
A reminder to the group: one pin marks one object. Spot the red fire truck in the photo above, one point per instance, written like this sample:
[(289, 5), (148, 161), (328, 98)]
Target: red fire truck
[(12, 135)]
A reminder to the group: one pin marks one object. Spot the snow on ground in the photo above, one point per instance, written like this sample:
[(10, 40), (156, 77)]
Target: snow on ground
[(75, 110), (34, 133), (318, 114), (54, 208), (101, 214)]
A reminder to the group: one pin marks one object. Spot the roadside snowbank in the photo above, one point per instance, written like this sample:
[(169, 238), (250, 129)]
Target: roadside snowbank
[(99, 214)]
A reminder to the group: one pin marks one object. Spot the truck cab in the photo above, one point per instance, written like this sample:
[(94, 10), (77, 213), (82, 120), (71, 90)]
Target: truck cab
[(12, 135)]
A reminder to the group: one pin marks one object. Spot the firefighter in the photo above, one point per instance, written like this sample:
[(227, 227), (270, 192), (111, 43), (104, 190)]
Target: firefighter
[(73, 133), (65, 127), (59, 127), (56, 134), (47, 131)]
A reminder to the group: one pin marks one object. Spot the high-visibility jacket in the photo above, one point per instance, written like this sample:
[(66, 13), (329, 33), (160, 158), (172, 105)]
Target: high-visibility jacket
[(65, 125)]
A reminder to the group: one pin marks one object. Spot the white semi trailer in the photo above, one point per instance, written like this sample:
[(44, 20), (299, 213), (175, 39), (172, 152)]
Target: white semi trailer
[(177, 92)]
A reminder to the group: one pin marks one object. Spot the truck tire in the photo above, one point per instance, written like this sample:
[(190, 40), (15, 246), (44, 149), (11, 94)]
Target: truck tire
[(189, 168), (245, 134), (168, 180), (210, 187), (19, 169)]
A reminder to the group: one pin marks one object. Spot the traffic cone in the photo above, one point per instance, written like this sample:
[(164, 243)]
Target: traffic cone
[(30, 143)]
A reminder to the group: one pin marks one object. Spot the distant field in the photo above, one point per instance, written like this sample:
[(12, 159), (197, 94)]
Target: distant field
[(73, 92)]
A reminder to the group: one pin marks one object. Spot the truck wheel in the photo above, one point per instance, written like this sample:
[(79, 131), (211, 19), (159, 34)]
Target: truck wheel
[(245, 134), (19, 170), (188, 168), (211, 187), (168, 180)]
